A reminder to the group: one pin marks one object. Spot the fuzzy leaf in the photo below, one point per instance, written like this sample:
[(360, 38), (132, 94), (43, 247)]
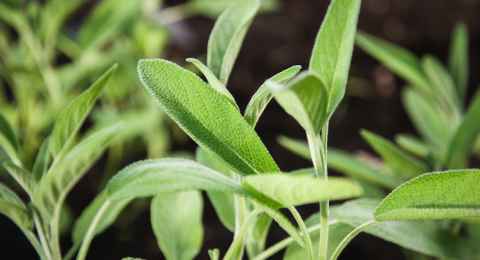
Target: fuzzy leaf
[(305, 99), (290, 190), (437, 195), (179, 232), (42, 161), (458, 59), (227, 37), (263, 95), (206, 116), (464, 138), (14, 208), (23, 177), (72, 117), (400, 162), (413, 145), (7, 131), (332, 53), (402, 62)]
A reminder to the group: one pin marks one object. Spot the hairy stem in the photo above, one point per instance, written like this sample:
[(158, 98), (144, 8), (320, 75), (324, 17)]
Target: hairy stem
[(41, 235), (318, 146), (82, 254)]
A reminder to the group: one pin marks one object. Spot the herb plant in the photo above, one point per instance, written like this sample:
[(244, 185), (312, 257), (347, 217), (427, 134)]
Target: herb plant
[(426, 174)]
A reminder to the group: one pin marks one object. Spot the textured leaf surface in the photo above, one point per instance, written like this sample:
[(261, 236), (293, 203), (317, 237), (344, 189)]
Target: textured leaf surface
[(71, 118), (177, 223), (206, 116), (332, 53), (305, 99), (263, 95), (227, 37), (14, 208), (438, 195), (297, 190), (23, 177), (400, 162)]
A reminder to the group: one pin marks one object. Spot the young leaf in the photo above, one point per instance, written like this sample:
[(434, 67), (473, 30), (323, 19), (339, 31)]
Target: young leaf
[(332, 53), (61, 177), (290, 190), (223, 202), (214, 254), (213, 80), (429, 120), (262, 97), (412, 145), (206, 116), (305, 99), (42, 161), (14, 208), (437, 195), (344, 163), (401, 163), (227, 37), (21, 176), (424, 237), (179, 232), (464, 138), (442, 85), (71, 118), (399, 60), (458, 60), (7, 131)]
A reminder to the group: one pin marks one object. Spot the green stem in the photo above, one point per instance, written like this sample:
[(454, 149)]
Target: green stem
[(82, 254), (41, 235), (346, 240), (318, 146), (303, 228)]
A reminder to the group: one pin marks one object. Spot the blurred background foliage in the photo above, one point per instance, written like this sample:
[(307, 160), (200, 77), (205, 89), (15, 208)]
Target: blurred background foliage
[(50, 50)]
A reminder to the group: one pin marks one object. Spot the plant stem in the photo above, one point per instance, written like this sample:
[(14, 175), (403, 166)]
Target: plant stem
[(349, 238), (41, 235), (303, 228), (82, 254), (318, 146)]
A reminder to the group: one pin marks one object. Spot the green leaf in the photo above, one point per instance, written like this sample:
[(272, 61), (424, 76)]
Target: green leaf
[(223, 202), (179, 232), (42, 161), (402, 62), (61, 177), (7, 131), (458, 59), (305, 99), (263, 95), (14, 208), (343, 162), (429, 120), (332, 53), (23, 177), (212, 79), (214, 254), (290, 190), (84, 221), (400, 162), (413, 145), (442, 85), (72, 117), (215, 8), (206, 116), (236, 248), (227, 37), (424, 237), (437, 195), (464, 138)]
